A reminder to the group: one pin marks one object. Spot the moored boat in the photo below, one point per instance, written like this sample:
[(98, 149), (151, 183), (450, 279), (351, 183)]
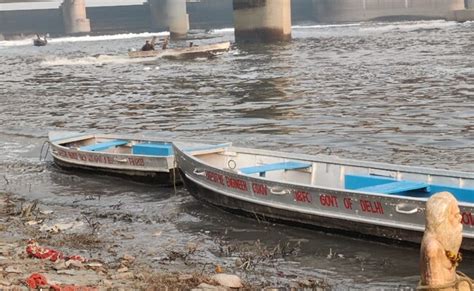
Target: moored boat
[(137, 158), (185, 52), (376, 200)]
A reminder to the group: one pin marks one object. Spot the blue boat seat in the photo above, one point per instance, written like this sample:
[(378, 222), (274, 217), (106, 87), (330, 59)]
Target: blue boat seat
[(153, 149), (388, 185), (103, 145), (396, 187), (274, 167)]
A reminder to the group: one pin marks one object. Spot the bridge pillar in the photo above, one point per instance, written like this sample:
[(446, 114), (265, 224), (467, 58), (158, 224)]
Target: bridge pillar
[(262, 20), (171, 15), (74, 17)]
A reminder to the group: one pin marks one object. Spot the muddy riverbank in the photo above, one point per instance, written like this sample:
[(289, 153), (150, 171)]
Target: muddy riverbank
[(36, 249)]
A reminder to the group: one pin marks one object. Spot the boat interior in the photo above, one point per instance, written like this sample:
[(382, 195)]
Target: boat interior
[(344, 175), (122, 146)]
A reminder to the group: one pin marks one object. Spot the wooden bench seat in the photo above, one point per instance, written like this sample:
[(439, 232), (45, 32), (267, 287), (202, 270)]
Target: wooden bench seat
[(153, 149), (395, 187), (262, 169), (103, 145), (388, 185)]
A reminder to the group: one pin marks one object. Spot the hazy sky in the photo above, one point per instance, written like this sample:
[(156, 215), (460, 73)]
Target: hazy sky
[(56, 3)]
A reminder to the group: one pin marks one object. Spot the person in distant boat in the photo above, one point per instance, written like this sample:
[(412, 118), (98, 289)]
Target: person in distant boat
[(38, 37), (165, 44), (39, 41), (148, 46)]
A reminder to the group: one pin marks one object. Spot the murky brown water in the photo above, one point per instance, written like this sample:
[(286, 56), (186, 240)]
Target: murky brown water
[(390, 92)]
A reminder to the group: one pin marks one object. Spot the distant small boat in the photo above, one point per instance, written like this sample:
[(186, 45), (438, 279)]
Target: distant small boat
[(141, 159), (186, 52), (40, 41), (374, 199)]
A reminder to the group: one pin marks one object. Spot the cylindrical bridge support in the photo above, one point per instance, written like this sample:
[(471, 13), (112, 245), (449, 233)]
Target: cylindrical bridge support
[(171, 15), (74, 17), (262, 20), (469, 4)]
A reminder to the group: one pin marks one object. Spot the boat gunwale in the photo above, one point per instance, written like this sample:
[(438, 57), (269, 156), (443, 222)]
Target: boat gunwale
[(59, 141), (358, 163), (314, 187)]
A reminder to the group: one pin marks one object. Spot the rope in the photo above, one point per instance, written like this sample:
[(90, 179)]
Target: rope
[(47, 150), (460, 278), (174, 175)]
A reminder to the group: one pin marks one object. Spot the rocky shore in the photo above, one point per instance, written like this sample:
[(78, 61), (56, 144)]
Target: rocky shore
[(35, 254)]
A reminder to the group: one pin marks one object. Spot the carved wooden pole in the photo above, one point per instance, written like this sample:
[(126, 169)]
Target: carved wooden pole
[(439, 255)]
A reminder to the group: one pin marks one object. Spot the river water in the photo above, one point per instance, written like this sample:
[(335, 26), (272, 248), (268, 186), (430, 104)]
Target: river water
[(389, 92)]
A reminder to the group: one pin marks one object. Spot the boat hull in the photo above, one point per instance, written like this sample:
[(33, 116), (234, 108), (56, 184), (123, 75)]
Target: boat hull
[(159, 178), (39, 42), (385, 217), (187, 52), (263, 213), (332, 225), (72, 153)]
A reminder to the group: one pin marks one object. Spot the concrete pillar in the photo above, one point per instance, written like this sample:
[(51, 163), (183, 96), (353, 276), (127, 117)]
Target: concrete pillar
[(262, 20), (469, 4), (170, 15), (458, 11), (74, 17), (457, 5)]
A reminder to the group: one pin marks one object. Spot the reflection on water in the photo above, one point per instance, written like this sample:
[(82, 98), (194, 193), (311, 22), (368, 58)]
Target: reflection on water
[(398, 92)]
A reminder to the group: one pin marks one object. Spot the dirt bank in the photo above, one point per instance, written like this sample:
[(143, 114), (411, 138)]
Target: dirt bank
[(36, 250)]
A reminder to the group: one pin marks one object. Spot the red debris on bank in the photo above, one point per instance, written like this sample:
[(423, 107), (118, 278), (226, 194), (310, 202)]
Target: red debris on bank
[(36, 251), (37, 281)]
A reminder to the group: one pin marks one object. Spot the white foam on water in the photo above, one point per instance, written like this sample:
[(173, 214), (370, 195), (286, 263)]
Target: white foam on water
[(11, 43), (321, 26), (408, 25), (99, 60), (109, 37), (85, 38), (231, 29), (222, 30)]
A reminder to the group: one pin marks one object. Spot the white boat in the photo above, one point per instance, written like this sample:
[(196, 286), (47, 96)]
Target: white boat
[(375, 200), (137, 158), (186, 52)]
